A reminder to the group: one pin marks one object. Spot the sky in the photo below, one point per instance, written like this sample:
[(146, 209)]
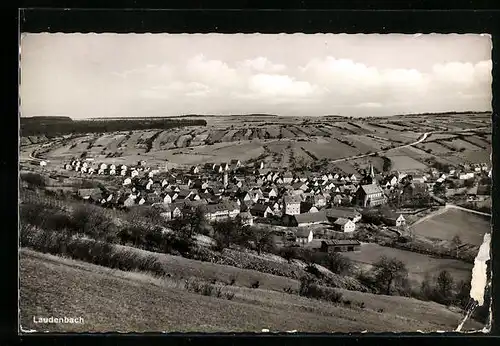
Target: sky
[(121, 75)]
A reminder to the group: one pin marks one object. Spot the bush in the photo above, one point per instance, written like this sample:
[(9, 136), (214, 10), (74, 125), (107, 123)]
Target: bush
[(33, 179), (312, 269), (255, 284), (308, 288)]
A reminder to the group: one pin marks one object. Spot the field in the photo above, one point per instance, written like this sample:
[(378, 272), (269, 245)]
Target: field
[(308, 138), (405, 163), (136, 302), (468, 226), (418, 265)]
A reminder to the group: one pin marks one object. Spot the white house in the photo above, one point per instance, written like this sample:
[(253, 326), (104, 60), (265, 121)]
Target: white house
[(127, 181), (304, 236), (344, 225), (103, 166)]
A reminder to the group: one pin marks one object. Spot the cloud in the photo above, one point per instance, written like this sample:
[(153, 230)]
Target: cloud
[(269, 85), (319, 86), (214, 73), (262, 64)]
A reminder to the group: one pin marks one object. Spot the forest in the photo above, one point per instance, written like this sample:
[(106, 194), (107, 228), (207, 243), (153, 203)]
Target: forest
[(58, 126)]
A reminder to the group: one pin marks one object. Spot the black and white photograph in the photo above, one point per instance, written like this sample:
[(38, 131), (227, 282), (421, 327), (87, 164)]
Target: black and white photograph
[(263, 183)]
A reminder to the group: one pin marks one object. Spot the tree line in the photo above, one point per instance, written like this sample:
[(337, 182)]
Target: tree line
[(33, 127)]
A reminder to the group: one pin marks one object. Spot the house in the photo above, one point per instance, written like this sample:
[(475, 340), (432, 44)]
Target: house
[(392, 218), (260, 210), (129, 201), (246, 218), (235, 164), (317, 200), (287, 177), (221, 211), (209, 166), (152, 198), (370, 196), (167, 199), (337, 200), (340, 245), (195, 169), (68, 167), (343, 213), (304, 236), (307, 207), (291, 205), (127, 181), (302, 220), (344, 225)]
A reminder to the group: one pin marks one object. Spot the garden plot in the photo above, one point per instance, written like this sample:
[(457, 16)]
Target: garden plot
[(255, 134), (131, 141), (475, 156), (405, 163), (363, 144), (247, 134), (345, 168), (440, 136), (412, 152), (344, 130), (453, 222), (460, 143), (166, 140), (478, 141), (300, 157), (183, 141), (104, 141), (228, 137), (297, 132), (364, 163), (395, 127), (331, 149), (200, 139), (286, 133), (435, 148), (239, 135), (418, 265), (216, 135), (115, 143)]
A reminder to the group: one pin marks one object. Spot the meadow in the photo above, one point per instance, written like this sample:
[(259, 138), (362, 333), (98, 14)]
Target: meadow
[(139, 302), (468, 226)]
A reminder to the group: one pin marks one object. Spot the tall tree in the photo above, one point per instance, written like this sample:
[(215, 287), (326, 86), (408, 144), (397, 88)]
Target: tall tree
[(389, 271), (456, 242), (444, 287), (263, 239)]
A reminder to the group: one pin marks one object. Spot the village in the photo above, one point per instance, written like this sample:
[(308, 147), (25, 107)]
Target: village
[(321, 208)]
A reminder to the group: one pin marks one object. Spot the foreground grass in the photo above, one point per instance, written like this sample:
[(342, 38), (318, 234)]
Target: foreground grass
[(114, 300)]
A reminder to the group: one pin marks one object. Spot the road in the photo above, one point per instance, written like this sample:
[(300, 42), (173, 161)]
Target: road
[(420, 140)]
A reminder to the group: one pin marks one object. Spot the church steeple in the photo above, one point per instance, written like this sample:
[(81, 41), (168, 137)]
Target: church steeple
[(372, 173)]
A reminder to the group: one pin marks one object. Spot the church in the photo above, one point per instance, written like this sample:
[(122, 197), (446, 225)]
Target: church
[(369, 193)]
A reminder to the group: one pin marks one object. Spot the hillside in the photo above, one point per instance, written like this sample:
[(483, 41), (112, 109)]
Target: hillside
[(113, 300)]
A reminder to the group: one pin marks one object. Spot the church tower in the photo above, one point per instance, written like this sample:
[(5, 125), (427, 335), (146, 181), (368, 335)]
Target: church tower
[(372, 173), (226, 179)]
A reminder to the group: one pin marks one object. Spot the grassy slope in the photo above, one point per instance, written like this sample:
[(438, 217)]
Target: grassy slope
[(111, 300)]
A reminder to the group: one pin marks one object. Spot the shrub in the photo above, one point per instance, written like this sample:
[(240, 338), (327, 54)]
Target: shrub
[(312, 269), (255, 284), (308, 288), (33, 179)]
